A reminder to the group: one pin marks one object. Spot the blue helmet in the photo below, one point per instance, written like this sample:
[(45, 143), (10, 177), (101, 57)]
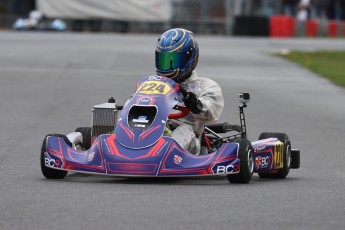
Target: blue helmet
[(177, 54)]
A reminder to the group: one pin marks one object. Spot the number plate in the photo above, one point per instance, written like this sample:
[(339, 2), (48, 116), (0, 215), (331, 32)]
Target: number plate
[(279, 154), (154, 87)]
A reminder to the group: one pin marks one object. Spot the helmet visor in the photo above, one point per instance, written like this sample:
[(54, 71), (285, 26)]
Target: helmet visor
[(170, 60)]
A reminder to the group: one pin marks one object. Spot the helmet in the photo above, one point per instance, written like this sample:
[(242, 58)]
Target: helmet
[(177, 54)]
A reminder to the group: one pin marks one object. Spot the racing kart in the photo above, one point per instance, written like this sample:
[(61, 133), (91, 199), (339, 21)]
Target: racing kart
[(134, 142)]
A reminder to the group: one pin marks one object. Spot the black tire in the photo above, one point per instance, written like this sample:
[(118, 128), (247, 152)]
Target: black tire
[(282, 173), (295, 159), (246, 156), (51, 173), (86, 133)]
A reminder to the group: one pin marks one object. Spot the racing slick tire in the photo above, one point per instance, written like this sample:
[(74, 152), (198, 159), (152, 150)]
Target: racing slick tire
[(282, 173), (86, 133), (51, 173), (245, 154)]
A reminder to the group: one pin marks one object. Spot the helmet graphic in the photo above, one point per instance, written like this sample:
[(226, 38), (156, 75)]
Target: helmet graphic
[(177, 54)]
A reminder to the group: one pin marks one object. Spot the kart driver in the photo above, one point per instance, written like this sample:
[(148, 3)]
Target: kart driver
[(177, 54)]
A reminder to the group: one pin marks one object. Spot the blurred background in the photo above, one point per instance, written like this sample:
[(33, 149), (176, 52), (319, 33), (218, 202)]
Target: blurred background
[(275, 18)]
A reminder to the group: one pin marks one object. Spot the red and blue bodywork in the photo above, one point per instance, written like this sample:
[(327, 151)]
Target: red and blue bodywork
[(138, 146)]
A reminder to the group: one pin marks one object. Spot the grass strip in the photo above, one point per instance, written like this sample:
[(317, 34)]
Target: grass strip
[(329, 64)]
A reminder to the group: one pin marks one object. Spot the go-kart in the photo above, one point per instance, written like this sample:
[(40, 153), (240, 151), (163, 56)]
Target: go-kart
[(136, 144)]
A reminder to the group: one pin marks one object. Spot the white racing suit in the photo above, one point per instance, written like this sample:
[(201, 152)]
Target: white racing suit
[(210, 94)]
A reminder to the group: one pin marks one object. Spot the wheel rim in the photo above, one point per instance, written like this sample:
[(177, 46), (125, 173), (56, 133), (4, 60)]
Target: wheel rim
[(250, 161), (288, 156)]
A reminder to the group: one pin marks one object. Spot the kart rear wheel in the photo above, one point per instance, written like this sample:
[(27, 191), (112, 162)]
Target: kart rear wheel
[(245, 154), (86, 133), (51, 173), (282, 173)]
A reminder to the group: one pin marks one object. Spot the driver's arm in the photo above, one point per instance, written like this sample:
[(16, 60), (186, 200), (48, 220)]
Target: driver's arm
[(207, 103)]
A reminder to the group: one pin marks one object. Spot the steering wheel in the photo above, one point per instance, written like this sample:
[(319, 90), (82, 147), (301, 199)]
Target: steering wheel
[(183, 111)]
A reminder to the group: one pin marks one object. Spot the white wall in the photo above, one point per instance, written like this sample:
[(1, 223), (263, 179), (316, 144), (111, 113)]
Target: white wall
[(129, 10)]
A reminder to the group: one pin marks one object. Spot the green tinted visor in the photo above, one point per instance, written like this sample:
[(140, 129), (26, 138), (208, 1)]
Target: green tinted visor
[(170, 60)]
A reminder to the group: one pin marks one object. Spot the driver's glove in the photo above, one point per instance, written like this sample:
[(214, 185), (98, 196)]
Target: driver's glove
[(193, 103)]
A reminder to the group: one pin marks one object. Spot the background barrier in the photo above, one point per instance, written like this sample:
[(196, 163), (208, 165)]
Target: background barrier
[(282, 26), (332, 29), (312, 28), (287, 26), (251, 26)]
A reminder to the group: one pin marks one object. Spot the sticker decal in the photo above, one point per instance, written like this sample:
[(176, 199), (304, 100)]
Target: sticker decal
[(145, 101), (53, 161), (49, 162), (91, 156), (141, 119), (263, 162), (257, 162), (139, 126), (177, 159), (278, 154), (225, 167)]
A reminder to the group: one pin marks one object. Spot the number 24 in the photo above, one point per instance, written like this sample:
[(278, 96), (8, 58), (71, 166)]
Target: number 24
[(152, 87)]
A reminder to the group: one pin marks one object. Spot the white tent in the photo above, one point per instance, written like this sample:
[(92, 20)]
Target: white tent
[(129, 10)]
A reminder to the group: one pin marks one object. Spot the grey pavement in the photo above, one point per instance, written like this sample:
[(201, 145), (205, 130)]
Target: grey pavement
[(50, 81)]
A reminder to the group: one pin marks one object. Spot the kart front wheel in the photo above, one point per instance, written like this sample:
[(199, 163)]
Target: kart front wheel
[(86, 133), (51, 173), (245, 154), (282, 173)]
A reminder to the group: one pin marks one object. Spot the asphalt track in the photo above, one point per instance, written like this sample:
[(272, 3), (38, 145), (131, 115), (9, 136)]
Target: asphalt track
[(49, 82)]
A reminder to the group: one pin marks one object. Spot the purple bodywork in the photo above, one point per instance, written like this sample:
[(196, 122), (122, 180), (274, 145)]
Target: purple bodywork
[(138, 146)]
